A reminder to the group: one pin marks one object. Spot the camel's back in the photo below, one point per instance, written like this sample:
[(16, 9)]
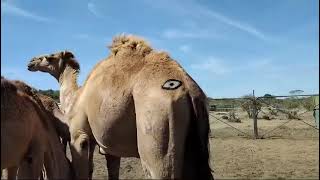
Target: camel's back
[(48, 103), (133, 62)]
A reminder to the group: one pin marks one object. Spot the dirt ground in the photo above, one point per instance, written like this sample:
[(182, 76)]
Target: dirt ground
[(290, 152)]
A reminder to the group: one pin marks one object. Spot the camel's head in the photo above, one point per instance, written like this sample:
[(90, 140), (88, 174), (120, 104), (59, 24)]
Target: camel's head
[(52, 63)]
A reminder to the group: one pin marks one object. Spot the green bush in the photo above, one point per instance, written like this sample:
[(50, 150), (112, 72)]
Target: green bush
[(54, 94), (291, 103)]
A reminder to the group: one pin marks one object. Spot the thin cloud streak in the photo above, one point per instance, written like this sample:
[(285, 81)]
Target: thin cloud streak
[(93, 9), (7, 8), (218, 67), (180, 34), (234, 23), (212, 65), (194, 10)]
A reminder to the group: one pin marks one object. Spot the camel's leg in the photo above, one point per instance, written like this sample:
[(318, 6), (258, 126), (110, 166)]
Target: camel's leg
[(161, 132), (81, 146), (91, 152), (12, 173), (113, 166), (49, 165), (31, 170), (32, 165)]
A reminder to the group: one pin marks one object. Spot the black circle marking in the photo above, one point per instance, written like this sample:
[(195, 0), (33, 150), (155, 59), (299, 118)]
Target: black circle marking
[(171, 84)]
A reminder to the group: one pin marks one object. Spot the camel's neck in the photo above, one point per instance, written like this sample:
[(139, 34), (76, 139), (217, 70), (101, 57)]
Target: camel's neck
[(68, 88)]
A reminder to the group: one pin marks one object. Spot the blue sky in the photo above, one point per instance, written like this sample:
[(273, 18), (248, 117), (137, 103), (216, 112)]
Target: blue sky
[(230, 47)]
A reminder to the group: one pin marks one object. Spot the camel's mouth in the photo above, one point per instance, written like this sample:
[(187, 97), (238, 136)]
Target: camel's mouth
[(31, 67)]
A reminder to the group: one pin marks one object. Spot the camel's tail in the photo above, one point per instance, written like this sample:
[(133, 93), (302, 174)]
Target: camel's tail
[(196, 162)]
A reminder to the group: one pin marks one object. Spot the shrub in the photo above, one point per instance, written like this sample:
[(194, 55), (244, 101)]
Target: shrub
[(248, 106), (291, 103), (273, 111), (308, 103), (293, 115), (233, 117)]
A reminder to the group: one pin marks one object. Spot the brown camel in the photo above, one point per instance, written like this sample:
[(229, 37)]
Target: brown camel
[(52, 110), (65, 69), (28, 137), (137, 103), (59, 121)]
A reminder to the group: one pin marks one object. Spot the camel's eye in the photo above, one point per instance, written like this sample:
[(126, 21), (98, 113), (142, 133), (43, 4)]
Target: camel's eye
[(171, 84)]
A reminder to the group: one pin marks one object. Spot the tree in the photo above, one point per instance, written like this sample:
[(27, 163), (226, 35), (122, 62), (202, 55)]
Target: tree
[(54, 94), (268, 96), (248, 106), (296, 92)]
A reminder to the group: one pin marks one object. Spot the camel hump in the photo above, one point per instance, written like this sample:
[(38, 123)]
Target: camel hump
[(7, 85), (130, 42)]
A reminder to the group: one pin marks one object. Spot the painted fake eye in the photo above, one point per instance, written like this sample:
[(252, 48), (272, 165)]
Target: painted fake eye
[(171, 84)]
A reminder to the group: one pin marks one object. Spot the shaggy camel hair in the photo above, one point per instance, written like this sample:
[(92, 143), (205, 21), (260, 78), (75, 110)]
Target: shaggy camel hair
[(28, 137), (137, 103)]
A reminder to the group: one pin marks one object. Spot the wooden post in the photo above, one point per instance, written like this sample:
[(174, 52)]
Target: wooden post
[(255, 116)]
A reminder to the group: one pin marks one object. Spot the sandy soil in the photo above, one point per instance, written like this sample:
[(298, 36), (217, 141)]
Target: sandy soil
[(291, 151)]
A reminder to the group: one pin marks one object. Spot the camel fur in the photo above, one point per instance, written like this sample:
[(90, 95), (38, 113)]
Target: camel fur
[(139, 103), (28, 137)]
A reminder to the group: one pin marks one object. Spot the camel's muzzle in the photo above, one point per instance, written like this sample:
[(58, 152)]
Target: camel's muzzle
[(31, 67)]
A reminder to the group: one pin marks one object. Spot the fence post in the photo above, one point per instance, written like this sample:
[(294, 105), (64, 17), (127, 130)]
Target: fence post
[(255, 116)]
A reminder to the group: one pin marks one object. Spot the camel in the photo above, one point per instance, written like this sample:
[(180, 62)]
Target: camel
[(54, 113), (52, 110), (66, 72), (136, 103), (28, 137)]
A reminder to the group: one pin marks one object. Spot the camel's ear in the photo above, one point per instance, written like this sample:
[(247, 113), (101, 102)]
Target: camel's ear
[(67, 55)]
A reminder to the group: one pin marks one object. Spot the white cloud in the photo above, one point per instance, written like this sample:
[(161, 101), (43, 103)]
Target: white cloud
[(185, 48), (9, 8), (257, 64), (212, 65), (178, 34), (219, 67)]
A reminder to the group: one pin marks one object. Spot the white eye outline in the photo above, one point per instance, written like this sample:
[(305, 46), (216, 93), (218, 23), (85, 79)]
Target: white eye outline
[(171, 84)]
